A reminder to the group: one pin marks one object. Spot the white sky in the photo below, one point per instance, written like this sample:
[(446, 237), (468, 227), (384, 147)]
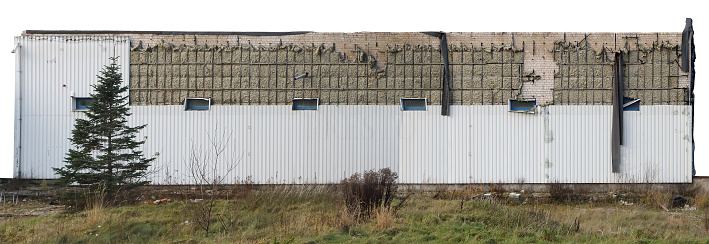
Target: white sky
[(352, 16)]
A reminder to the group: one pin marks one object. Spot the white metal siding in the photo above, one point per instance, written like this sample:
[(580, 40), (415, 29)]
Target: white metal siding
[(475, 144), (52, 70), (656, 145), (272, 144)]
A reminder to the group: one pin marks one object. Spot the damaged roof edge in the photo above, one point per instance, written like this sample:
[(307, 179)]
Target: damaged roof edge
[(81, 32)]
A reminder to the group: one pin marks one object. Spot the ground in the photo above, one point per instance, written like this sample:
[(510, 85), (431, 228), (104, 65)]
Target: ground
[(316, 214)]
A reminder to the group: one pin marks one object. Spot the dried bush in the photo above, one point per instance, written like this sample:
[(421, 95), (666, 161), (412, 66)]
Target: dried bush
[(364, 193), (243, 188), (90, 198), (561, 192), (659, 198), (686, 190), (701, 201), (498, 188), (208, 165)]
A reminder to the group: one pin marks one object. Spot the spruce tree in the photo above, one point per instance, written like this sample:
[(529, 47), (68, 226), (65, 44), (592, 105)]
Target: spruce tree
[(105, 148)]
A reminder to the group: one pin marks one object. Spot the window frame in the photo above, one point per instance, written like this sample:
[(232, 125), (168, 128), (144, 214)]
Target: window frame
[(631, 104), (511, 107), (195, 108), (403, 107), (75, 103), (296, 107)]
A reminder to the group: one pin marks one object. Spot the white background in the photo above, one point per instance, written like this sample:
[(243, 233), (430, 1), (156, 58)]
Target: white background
[(352, 16)]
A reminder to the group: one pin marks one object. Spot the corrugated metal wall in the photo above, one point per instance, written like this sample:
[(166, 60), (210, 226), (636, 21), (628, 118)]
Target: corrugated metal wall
[(656, 144), (51, 71), (274, 144), (476, 144)]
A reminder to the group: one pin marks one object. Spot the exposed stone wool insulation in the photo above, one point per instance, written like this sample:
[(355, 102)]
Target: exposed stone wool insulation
[(381, 67), (585, 76), (166, 74)]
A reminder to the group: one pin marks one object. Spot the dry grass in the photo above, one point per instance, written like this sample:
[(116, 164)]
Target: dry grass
[(466, 193), (498, 188), (561, 192), (345, 220), (384, 218), (660, 199), (310, 214), (705, 220), (95, 212), (701, 201), (618, 220)]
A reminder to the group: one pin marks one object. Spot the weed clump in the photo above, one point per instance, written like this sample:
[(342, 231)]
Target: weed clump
[(365, 193), (560, 192)]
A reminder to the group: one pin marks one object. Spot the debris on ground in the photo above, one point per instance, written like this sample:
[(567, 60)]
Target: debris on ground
[(160, 201), (622, 202)]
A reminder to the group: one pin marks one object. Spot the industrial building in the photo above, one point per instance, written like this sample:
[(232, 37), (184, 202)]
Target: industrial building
[(437, 108)]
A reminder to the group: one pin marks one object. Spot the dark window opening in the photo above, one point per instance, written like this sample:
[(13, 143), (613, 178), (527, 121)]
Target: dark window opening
[(522, 105), (82, 103), (197, 103), (413, 104), (631, 104), (305, 104)]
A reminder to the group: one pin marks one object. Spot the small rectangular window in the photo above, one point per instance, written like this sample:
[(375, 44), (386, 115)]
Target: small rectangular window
[(82, 103), (522, 105), (305, 104), (631, 104), (413, 104), (197, 103)]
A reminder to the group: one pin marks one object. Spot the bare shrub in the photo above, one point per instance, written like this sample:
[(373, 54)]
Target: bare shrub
[(561, 192), (441, 192), (498, 188), (687, 190), (208, 167), (364, 193), (243, 188), (701, 201), (658, 198)]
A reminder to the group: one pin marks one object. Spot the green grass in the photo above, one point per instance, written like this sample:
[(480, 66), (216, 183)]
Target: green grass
[(287, 217)]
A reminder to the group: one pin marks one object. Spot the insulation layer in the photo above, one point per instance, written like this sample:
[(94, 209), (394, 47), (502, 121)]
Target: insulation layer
[(167, 74), (651, 74)]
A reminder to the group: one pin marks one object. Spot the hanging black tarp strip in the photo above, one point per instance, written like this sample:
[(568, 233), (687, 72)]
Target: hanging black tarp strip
[(445, 97), (617, 129), (688, 57), (687, 35)]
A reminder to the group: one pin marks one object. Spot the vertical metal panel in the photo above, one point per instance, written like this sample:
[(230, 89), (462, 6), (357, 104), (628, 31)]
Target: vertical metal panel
[(272, 144), (580, 148), (17, 159), (656, 146), (54, 69), (475, 144)]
